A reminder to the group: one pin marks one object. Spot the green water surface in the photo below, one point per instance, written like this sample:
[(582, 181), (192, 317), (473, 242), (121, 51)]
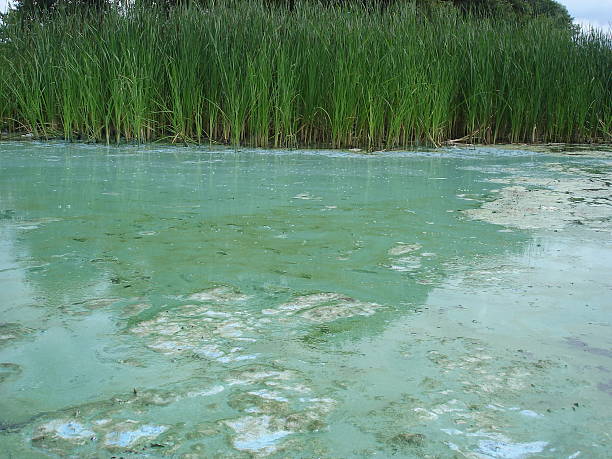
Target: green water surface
[(194, 302)]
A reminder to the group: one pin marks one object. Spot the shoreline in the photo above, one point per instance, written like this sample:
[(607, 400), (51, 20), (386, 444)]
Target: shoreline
[(603, 148)]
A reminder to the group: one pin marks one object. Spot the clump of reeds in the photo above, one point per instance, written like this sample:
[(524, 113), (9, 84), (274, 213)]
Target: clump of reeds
[(244, 72)]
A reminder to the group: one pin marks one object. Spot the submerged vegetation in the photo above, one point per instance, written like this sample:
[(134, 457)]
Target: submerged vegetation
[(246, 72)]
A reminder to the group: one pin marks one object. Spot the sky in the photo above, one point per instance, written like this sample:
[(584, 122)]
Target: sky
[(597, 13)]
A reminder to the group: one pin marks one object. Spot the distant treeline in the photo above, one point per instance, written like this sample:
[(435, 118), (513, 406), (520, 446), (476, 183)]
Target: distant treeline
[(243, 72), (487, 8)]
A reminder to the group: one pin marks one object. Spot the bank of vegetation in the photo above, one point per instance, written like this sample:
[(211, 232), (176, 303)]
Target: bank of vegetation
[(303, 74)]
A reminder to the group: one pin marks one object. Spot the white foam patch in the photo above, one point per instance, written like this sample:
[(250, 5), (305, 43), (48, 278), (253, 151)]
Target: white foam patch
[(325, 307), (230, 330), (69, 430), (210, 351), (531, 414), (217, 314), (251, 377), (504, 450), (306, 196), (217, 294), (551, 204), (237, 358), (129, 437), (205, 393), (256, 434), (269, 395), (402, 248)]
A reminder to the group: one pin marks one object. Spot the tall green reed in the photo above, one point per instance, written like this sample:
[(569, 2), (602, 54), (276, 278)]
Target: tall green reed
[(242, 72)]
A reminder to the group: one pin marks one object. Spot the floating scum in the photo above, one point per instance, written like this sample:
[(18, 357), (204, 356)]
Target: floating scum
[(246, 73)]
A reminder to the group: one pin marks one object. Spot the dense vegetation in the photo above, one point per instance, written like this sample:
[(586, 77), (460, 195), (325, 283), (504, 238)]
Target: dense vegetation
[(346, 75), (491, 8)]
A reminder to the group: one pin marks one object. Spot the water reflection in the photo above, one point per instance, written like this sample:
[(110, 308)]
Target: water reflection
[(223, 303)]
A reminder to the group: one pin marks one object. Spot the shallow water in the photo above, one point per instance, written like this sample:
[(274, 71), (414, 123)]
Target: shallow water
[(217, 303)]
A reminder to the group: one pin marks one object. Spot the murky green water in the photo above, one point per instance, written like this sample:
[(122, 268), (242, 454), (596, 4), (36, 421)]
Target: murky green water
[(193, 303)]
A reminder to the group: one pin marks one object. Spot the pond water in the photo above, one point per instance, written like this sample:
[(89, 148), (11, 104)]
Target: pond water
[(196, 302)]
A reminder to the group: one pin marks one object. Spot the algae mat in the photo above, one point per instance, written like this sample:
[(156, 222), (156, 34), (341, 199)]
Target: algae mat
[(192, 302)]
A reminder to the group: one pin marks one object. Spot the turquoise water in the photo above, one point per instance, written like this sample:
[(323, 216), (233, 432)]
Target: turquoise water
[(192, 302)]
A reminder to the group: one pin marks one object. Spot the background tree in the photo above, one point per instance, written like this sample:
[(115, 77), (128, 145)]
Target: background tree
[(33, 8), (518, 8), (511, 9)]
